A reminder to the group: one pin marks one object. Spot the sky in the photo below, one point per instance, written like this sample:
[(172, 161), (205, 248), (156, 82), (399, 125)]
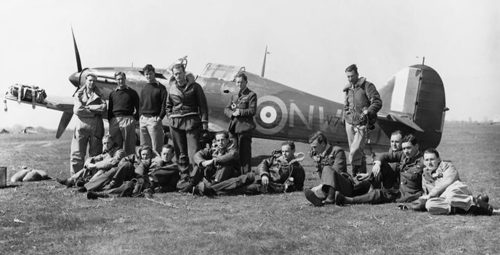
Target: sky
[(311, 43)]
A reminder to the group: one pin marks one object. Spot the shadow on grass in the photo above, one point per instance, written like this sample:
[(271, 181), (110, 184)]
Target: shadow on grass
[(10, 186)]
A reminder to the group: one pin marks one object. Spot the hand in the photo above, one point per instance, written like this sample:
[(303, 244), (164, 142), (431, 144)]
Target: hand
[(426, 197), (316, 158), (205, 126), (376, 168), (207, 162), (236, 112), (265, 180)]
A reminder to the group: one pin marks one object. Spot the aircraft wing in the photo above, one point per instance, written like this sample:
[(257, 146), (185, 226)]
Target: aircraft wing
[(37, 97)]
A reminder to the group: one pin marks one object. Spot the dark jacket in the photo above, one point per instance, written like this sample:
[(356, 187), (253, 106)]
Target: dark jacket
[(186, 106), (278, 170), (224, 157), (410, 172), (332, 156), (246, 102), (363, 95)]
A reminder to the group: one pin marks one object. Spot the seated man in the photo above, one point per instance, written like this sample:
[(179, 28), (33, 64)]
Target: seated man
[(389, 171), (136, 182), (410, 174), (216, 164), (332, 168), (444, 193), (164, 174), (281, 172), (98, 164)]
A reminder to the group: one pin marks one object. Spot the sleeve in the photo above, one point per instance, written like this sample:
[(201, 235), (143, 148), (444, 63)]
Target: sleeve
[(136, 104), (252, 106), (168, 104), (228, 111), (338, 160), (450, 175), (164, 94), (228, 158), (389, 157), (374, 97), (263, 168), (78, 107), (299, 176), (108, 163), (98, 108), (200, 156), (110, 107), (202, 103)]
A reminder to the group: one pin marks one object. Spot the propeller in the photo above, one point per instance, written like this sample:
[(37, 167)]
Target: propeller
[(77, 53), (75, 80)]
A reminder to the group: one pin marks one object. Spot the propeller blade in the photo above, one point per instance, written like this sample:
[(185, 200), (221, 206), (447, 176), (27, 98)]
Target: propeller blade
[(63, 123), (77, 54)]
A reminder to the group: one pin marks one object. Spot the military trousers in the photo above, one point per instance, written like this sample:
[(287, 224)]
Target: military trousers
[(122, 130), (151, 132)]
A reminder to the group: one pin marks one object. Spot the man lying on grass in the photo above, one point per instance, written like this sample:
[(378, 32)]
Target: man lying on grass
[(444, 193)]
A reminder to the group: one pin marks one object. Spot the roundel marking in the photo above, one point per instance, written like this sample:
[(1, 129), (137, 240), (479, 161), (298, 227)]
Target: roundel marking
[(268, 114), (272, 115)]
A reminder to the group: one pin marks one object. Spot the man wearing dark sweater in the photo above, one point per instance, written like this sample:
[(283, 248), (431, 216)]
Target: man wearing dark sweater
[(152, 111), (123, 113)]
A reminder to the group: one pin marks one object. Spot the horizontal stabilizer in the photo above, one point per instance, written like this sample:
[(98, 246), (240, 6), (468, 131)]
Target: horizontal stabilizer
[(404, 121)]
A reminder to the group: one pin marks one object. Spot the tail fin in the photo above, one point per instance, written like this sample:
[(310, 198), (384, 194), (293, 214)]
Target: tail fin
[(414, 100)]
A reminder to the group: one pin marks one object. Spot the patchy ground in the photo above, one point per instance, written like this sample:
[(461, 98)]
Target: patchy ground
[(47, 218)]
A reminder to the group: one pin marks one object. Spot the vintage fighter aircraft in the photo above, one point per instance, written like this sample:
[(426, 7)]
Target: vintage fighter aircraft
[(413, 100)]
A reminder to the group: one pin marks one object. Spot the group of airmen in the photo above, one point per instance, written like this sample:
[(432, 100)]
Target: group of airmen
[(419, 180)]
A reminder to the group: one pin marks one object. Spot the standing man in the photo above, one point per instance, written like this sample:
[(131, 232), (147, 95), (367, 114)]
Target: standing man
[(362, 102), (89, 128), (152, 111), (187, 111), (123, 113), (241, 110)]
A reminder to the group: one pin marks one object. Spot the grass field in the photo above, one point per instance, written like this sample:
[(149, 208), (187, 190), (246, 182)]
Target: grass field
[(47, 218)]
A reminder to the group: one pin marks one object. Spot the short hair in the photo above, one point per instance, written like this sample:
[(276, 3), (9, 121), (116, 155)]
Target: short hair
[(432, 151), (318, 136), (91, 75), (397, 132), (224, 133), (145, 148), (167, 146), (352, 68), (241, 75), (120, 74), (410, 138), (148, 68), (178, 66), (290, 144)]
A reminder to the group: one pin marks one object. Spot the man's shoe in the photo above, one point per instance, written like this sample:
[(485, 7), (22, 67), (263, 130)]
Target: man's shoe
[(66, 182), (311, 197), (339, 199), (80, 183), (483, 197), (92, 195), (483, 208), (187, 189), (82, 190)]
